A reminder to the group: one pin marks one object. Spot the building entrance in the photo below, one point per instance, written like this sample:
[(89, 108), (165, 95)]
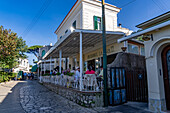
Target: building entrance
[(166, 74)]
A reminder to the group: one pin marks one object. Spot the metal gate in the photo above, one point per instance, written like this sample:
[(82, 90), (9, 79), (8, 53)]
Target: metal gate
[(136, 85), (117, 90), (127, 85)]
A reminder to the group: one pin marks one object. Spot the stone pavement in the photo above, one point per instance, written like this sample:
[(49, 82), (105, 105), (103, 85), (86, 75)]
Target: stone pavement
[(35, 98), (31, 97), (9, 97)]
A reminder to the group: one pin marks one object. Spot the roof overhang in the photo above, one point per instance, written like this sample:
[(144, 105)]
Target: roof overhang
[(145, 31), (155, 20), (70, 44)]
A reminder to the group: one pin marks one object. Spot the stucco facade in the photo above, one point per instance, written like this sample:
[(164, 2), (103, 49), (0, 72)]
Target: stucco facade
[(83, 13), (155, 68), (156, 36)]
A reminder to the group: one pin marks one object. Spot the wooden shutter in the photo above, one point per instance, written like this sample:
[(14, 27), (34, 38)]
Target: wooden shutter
[(95, 23), (101, 23)]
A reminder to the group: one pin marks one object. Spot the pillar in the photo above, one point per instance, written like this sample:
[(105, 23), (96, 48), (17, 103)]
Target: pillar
[(55, 63), (81, 61), (60, 55), (41, 68), (50, 64), (44, 67)]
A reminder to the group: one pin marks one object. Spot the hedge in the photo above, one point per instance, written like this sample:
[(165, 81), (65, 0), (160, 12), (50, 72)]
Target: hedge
[(5, 76)]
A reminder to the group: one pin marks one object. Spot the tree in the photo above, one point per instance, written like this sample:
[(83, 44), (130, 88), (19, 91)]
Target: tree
[(34, 50), (139, 38), (11, 48)]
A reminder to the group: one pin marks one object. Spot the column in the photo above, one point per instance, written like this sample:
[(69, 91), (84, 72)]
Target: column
[(41, 68), (125, 45), (63, 63), (81, 61), (44, 67), (66, 63), (68, 60), (38, 70), (55, 63), (60, 54), (50, 64), (41, 73)]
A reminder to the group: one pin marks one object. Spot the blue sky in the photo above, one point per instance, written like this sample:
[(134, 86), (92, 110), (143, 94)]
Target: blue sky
[(18, 14)]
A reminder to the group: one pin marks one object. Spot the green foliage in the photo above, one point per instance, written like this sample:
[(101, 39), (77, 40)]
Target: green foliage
[(70, 74), (4, 76), (46, 74), (11, 48), (58, 73), (34, 50), (139, 38)]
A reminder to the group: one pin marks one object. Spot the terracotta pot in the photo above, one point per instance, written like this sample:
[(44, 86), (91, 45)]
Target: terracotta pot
[(124, 49)]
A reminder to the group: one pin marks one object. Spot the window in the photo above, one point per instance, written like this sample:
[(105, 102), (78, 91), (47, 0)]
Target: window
[(142, 51), (43, 53), (133, 49), (60, 37), (74, 25), (97, 23), (66, 31)]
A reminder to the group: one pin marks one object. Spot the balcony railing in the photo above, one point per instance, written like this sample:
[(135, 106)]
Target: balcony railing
[(89, 82)]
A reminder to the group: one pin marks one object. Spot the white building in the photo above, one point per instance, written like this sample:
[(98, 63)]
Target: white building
[(85, 17), (156, 33), (23, 66), (80, 36)]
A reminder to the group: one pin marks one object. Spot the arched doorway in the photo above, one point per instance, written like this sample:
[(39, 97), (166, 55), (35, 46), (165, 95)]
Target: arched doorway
[(166, 73)]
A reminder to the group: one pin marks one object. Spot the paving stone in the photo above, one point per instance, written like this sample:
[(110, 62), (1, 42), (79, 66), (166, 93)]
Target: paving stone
[(36, 98)]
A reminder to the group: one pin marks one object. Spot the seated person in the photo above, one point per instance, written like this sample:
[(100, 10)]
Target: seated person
[(101, 72), (90, 71)]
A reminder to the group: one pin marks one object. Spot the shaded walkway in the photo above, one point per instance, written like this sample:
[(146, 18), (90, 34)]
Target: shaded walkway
[(9, 97)]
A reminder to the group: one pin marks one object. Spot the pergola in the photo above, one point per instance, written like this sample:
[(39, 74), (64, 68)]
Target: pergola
[(77, 41)]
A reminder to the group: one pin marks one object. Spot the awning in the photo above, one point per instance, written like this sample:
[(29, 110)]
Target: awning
[(34, 68), (70, 44)]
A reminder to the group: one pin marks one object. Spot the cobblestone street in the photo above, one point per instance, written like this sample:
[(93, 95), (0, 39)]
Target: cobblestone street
[(31, 97), (35, 98)]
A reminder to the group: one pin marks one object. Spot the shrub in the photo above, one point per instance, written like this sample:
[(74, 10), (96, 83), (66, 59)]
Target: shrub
[(5, 76)]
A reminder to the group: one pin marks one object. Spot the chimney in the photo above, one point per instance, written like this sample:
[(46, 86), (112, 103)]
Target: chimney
[(120, 25)]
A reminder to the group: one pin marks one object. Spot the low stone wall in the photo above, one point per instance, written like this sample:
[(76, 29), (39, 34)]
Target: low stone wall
[(86, 99)]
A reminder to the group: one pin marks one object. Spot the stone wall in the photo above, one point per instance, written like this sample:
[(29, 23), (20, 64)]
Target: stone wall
[(128, 61), (86, 99)]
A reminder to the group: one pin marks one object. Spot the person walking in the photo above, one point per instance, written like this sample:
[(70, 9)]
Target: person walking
[(76, 77)]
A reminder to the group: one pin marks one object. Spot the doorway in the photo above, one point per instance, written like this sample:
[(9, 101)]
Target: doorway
[(166, 74)]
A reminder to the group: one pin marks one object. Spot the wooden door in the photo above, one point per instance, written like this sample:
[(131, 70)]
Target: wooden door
[(166, 74)]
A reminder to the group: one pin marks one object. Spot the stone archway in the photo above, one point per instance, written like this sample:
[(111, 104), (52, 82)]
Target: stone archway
[(157, 101)]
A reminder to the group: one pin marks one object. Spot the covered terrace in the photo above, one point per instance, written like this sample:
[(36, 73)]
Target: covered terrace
[(77, 42)]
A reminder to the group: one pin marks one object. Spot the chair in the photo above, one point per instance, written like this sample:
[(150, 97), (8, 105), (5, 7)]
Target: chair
[(90, 82)]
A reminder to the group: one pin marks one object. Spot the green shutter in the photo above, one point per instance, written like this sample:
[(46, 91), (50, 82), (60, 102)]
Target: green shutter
[(95, 23), (43, 53), (101, 23)]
